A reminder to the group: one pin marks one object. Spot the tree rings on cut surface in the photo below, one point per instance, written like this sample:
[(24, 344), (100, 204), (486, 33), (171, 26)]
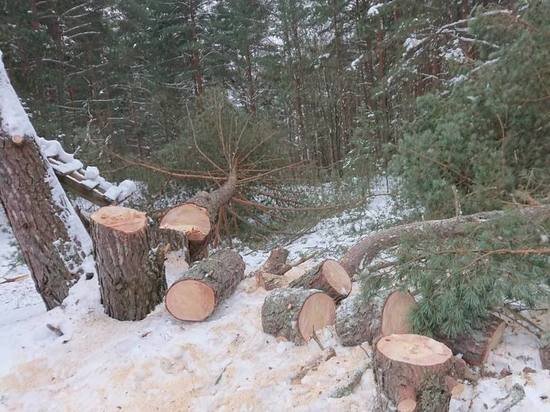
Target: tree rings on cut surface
[(359, 319), (205, 285), (296, 314), (120, 218), (396, 313), (190, 219), (329, 276), (406, 364), (190, 300)]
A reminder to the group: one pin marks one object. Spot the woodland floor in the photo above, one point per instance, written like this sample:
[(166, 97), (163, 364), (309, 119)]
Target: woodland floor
[(226, 363)]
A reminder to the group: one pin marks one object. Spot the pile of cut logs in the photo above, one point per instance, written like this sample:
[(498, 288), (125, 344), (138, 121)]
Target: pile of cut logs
[(302, 302), (130, 256)]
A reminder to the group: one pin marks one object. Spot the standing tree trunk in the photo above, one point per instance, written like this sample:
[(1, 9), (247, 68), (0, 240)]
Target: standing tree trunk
[(130, 262), (205, 285), (51, 237), (197, 217)]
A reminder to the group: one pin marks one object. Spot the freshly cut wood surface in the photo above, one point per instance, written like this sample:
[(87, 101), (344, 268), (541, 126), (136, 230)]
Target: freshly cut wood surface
[(190, 219), (120, 218), (329, 276), (414, 349), (129, 262), (396, 313), (405, 363), (295, 314), (360, 320), (190, 300), (197, 218), (205, 285), (317, 312)]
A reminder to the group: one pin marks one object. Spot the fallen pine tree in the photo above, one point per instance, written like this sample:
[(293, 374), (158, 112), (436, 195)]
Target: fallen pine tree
[(196, 218), (362, 253), (461, 269)]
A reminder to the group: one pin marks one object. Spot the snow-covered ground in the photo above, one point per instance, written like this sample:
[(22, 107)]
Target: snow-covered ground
[(226, 363)]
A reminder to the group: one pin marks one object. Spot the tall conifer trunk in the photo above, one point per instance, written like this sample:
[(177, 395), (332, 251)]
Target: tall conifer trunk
[(52, 239)]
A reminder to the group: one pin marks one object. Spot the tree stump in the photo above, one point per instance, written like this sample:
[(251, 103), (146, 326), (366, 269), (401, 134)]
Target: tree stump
[(197, 217), (329, 276), (476, 346), (205, 285), (129, 261), (295, 314), (413, 370), (361, 320)]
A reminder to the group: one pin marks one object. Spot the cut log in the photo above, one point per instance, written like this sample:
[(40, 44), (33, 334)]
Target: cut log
[(52, 240), (205, 285), (405, 363), (370, 246), (129, 261), (296, 314), (329, 276), (276, 262), (197, 217), (361, 320), (544, 352), (270, 282), (476, 346)]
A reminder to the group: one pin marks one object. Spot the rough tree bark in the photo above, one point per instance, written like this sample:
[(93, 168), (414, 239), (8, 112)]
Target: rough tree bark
[(544, 352), (205, 285), (361, 320), (129, 261), (276, 262), (51, 237), (197, 217), (476, 346), (296, 314), (329, 276), (371, 245), (406, 365)]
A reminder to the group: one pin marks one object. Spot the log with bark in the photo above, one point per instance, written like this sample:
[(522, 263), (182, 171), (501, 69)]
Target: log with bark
[(370, 246), (270, 282), (329, 276), (361, 320), (197, 217), (276, 263), (129, 261), (296, 314), (269, 275), (414, 371), (205, 285), (544, 352), (476, 346), (52, 239)]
